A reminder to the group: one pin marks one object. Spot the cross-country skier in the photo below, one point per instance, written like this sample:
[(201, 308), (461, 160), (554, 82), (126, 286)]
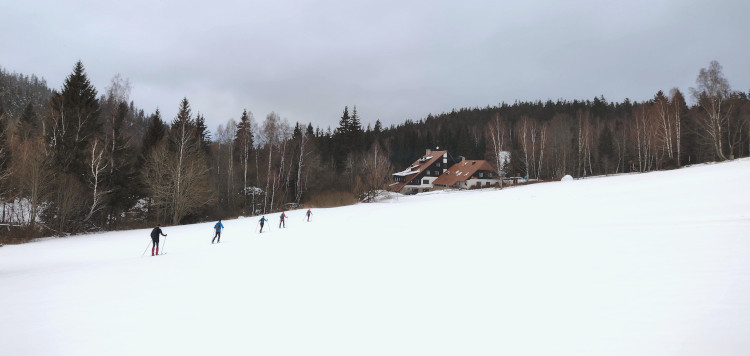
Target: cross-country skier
[(262, 221), (155, 238), (218, 228), (308, 213), (281, 221)]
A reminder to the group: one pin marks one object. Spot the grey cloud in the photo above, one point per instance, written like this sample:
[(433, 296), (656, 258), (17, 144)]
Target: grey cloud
[(395, 60)]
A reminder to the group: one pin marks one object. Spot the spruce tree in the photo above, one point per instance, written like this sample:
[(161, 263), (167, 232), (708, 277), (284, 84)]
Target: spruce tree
[(154, 133), (356, 134), (243, 141), (310, 131), (342, 140), (73, 135), (74, 123), (355, 125), (188, 190), (344, 123), (184, 116), (202, 132), (122, 180)]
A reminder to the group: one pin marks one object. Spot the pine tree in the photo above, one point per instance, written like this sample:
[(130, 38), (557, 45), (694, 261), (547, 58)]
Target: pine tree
[(75, 122), (310, 132), (355, 125), (75, 138), (187, 170), (244, 142), (344, 123), (154, 133), (122, 181), (355, 133), (203, 134), (184, 116)]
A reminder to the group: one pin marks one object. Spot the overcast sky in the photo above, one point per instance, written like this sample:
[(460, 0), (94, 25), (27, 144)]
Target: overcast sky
[(394, 60)]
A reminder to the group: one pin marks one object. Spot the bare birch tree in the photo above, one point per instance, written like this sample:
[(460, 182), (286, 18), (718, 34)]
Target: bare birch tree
[(97, 165), (711, 94), (274, 134), (303, 138), (496, 131), (542, 140), (525, 145), (666, 131), (374, 174)]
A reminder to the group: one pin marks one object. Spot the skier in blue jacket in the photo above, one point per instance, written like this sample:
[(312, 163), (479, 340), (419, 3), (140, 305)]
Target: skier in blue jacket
[(262, 221), (218, 228)]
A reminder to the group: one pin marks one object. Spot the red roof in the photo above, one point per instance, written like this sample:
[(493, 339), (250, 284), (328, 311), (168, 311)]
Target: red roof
[(462, 171)]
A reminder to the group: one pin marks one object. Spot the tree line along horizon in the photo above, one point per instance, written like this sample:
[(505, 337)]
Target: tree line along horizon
[(74, 161)]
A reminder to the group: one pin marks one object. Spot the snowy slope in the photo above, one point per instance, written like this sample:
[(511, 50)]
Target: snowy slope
[(648, 264)]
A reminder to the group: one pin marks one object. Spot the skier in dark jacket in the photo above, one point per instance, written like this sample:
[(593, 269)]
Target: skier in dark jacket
[(308, 213), (155, 238), (262, 221), (281, 222), (218, 228)]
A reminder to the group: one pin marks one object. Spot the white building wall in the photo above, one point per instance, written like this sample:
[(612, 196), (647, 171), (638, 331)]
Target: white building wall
[(483, 182)]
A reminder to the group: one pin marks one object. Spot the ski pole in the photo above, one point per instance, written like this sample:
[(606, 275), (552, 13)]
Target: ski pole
[(164, 245), (144, 251)]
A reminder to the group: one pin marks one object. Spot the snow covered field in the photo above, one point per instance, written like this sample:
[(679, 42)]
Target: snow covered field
[(646, 264)]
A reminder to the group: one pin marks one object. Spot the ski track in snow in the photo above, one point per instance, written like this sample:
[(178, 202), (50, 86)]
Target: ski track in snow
[(636, 264)]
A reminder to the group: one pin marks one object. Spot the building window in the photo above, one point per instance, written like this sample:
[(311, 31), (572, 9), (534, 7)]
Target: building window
[(426, 181), (480, 174)]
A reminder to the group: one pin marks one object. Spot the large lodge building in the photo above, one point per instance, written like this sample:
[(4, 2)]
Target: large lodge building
[(438, 170)]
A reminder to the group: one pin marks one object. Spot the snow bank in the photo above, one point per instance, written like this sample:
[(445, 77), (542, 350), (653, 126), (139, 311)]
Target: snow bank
[(646, 264)]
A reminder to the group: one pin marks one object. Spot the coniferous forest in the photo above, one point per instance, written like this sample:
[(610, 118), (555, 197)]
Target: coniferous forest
[(76, 159)]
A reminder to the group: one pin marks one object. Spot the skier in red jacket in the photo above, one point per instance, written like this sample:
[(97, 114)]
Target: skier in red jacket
[(281, 221)]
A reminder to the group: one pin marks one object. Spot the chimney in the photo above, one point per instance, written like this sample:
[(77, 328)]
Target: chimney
[(461, 159), (427, 152)]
